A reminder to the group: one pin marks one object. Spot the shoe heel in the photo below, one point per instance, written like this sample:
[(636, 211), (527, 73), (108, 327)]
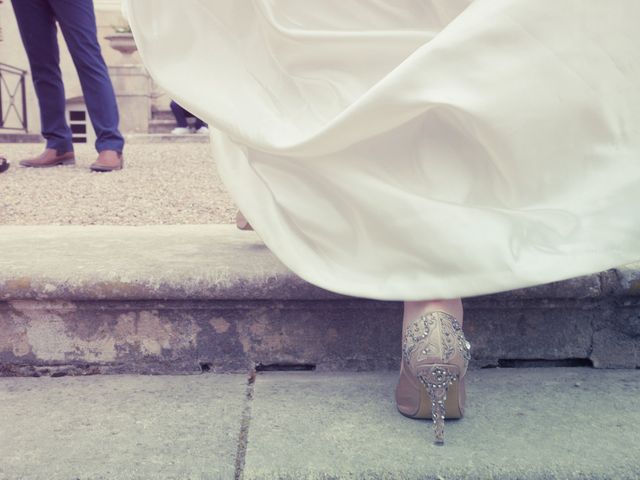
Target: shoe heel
[(68, 161), (436, 378)]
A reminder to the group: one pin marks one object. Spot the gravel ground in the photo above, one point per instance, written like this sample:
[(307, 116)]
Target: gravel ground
[(162, 183)]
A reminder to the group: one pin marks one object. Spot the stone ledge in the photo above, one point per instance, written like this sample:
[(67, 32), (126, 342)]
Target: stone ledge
[(195, 262), (144, 138), (184, 299), (185, 262), (20, 137), (624, 280)]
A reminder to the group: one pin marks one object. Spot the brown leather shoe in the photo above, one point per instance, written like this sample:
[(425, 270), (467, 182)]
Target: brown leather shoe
[(108, 160), (49, 158)]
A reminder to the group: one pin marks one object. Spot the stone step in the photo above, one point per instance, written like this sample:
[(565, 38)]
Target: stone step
[(183, 299), (162, 125), (20, 137), (162, 115), (146, 138)]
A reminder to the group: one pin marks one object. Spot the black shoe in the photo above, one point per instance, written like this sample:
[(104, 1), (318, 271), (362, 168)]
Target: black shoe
[(4, 164)]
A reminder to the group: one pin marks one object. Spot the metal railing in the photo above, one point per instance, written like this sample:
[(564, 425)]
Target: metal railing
[(13, 98)]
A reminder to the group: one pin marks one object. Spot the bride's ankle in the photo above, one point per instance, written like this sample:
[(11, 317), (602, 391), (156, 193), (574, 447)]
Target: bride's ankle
[(413, 310)]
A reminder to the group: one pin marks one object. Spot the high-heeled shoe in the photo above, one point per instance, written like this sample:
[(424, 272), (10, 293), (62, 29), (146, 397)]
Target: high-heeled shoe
[(435, 357)]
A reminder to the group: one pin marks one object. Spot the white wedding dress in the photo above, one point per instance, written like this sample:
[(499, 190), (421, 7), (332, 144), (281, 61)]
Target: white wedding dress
[(417, 149)]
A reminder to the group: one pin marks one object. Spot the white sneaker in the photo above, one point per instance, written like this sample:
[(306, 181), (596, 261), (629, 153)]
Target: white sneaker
[(180, 131), (203, 131)]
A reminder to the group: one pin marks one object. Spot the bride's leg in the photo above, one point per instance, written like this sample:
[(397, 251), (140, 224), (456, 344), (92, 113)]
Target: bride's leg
[(413, 310)]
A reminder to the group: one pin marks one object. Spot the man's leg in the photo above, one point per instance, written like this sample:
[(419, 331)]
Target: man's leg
[(199, 124), (180, 115), (38, 31), (78, 24)]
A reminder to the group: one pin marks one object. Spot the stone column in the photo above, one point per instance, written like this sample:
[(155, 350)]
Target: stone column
[(132, 85)]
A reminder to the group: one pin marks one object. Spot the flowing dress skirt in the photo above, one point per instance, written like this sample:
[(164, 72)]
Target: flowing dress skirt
[(416, 149)]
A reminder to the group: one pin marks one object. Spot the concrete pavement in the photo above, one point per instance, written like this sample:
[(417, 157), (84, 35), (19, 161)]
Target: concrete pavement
[(521, 423)]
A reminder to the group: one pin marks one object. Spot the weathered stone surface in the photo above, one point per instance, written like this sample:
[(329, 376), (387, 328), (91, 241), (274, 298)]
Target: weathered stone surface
[(187, 337), (519, 424), (627, 280), (118, 336), (186, 262), (177, 336), (120, 427), (189, 262), (20, 138), (588, 286), (521, 330), (146, 138), (616, 337), (613, 349), (167, 299)]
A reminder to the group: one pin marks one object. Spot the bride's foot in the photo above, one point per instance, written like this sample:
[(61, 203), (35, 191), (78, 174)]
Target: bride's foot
[(413, 310), (241, 222), (435, 356)]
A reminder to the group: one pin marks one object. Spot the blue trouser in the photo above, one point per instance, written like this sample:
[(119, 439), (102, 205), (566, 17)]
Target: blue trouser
[(37, 24), (181, 116)]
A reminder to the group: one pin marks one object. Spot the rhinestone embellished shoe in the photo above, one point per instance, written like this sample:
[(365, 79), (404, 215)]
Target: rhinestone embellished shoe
[(435, 357)]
